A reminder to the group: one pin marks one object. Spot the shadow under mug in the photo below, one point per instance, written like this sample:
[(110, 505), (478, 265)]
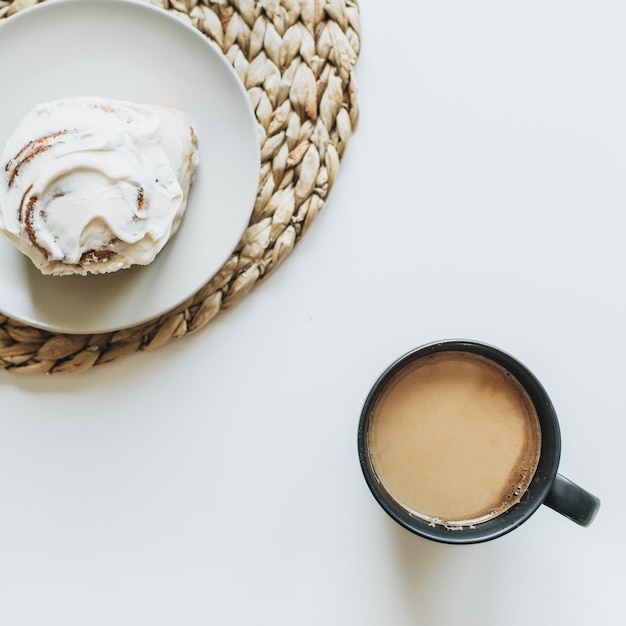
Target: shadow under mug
[(547, 486)]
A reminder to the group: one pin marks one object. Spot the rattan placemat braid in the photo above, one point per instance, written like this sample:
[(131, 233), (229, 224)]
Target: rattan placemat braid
[(295, 58)]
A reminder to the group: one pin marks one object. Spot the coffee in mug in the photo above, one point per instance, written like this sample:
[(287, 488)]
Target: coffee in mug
[(459, 442)]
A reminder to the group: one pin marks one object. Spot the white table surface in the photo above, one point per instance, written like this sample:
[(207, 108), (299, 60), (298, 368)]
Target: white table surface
[(216, 480)]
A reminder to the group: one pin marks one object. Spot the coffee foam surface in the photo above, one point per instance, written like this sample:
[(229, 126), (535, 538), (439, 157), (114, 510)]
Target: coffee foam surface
[(455, 439)]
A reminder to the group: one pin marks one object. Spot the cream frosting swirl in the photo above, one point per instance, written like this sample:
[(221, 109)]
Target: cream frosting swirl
[(93, 185)]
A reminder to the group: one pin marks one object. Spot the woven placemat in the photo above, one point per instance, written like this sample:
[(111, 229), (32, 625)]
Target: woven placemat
[(295, 58)]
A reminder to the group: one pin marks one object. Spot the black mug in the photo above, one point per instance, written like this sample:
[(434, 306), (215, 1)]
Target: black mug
[(545, 486)]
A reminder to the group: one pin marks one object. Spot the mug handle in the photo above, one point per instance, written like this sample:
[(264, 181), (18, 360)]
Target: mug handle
[(572, 501)]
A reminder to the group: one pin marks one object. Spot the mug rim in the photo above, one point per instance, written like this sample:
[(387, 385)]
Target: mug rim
[(544, 475)]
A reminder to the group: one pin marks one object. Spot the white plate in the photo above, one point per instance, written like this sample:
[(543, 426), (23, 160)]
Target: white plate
[(132, 51)]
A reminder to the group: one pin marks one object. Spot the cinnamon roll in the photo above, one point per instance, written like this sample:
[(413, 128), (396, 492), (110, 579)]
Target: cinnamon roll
[(90, 185)]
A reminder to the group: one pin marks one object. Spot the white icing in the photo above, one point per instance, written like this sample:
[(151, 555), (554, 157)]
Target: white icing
[(109, 174)]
